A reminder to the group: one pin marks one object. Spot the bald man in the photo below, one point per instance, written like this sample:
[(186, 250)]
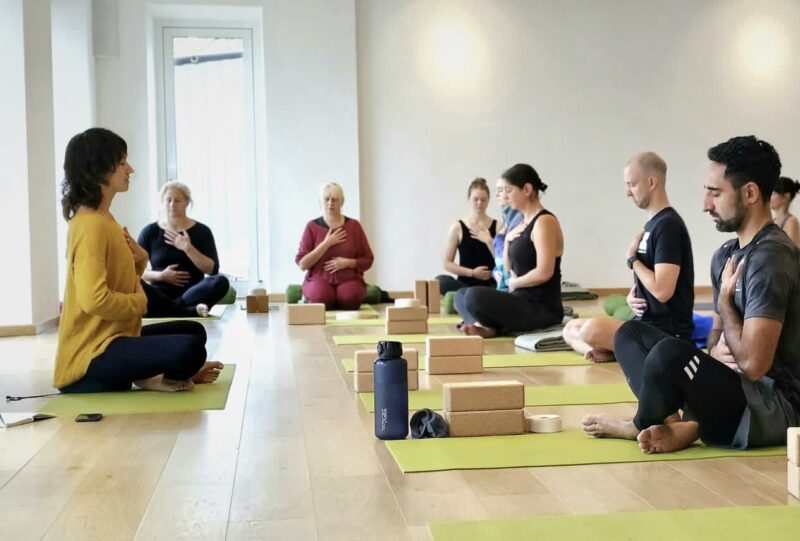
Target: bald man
[(660, 257)]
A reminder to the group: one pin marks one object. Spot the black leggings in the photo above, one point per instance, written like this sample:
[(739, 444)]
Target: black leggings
[(667, 374), (209, 291), (447, 283), (504, 312), (176, 349)]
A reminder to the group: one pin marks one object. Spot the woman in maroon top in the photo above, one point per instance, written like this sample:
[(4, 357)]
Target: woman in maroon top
[(335, 253)]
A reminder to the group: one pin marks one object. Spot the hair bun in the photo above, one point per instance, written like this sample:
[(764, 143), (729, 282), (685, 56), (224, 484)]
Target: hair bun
[(543, 187)]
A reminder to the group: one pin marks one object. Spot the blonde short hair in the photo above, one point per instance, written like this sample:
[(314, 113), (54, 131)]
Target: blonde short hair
[(177, 185), (331, 186)]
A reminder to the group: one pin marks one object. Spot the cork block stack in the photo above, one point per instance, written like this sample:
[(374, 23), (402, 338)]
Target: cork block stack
[(485, 408), (793, 462), (427, 292), (257, 301), (454, 354), (407, 320), (363, 381)]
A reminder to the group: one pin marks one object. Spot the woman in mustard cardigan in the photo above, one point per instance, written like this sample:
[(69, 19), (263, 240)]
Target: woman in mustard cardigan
[(102, 345)]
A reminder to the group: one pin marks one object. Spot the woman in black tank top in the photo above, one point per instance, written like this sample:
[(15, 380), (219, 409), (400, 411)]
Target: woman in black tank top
[(472, 240), (782, 196), (532, 253)]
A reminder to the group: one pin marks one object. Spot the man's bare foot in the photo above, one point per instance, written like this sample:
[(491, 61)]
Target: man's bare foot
[(599, 356), (605, 426), (668, 438), (202, 310), (208, 373), (161, 384), (473, 329)]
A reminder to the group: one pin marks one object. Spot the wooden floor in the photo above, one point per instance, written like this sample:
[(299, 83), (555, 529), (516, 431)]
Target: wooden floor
[(293, 456)]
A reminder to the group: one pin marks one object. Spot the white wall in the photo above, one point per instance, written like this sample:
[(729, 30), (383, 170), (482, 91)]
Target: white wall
[(27, 208), (308, 128), (15, 275), (452, 90), (73, 93), (41, 160)]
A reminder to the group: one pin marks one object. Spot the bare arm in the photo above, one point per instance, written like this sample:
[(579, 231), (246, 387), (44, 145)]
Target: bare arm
[(450, 249), (545, 237), (662, 280), (792, 228), (181, 241), (752, 342)]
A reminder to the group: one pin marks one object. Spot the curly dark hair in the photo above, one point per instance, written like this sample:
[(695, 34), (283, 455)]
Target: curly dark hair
[(786, 185), (521, 174), (89, 159), (748, 159)]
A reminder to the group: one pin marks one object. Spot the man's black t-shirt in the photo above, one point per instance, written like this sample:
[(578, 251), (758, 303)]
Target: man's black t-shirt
[(666, 240)]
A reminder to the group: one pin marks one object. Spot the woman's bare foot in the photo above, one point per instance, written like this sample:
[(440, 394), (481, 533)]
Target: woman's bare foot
[(202, 310), (473, 329), (668, 438), (208, 373), (161, 384), (605, 426), (599, 356)]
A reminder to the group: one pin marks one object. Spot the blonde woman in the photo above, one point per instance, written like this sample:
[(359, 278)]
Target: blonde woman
[(183, 278), (335, 253)]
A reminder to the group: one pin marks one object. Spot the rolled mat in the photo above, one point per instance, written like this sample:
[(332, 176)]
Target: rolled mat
[(765, 522), (355, 339), (209, 396), (535, 395), (514, 360), (531, 450)]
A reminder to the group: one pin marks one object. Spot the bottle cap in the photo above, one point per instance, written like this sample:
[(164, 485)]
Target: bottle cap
[(389, 349)]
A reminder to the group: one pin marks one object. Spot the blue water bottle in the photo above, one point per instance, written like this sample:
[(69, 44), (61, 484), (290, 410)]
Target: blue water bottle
[(391, 392)]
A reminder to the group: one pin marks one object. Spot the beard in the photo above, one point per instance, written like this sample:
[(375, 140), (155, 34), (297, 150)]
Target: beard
[(733, 223)]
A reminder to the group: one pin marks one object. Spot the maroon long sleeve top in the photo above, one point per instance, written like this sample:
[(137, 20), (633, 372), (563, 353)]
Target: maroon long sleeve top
[(355, 246)]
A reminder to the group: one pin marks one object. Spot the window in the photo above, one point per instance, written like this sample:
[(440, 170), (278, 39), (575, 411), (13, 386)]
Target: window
[(208, 139)]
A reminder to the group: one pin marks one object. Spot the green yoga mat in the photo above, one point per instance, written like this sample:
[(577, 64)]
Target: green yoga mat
[(550, 358), (532, 450), (210, 396), (379, 322), (769, 522), (355, 339), (539, 395), (331, 314)]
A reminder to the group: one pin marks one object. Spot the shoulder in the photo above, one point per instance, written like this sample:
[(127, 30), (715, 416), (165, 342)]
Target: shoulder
[(669, 222), (150, 229), (89, 222), (316, 223), (546, 220), (774, 252), (201, 228), (722, 254)]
